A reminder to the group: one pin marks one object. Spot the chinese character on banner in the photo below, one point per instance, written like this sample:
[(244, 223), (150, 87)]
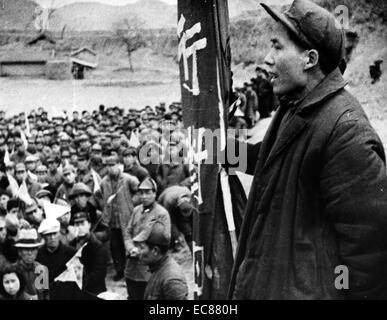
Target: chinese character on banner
[(205, 80), (185, 52)]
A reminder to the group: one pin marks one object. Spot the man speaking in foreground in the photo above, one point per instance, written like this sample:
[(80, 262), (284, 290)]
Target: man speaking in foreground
[(318, 202)]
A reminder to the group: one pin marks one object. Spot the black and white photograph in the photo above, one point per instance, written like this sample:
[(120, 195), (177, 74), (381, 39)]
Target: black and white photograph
[(198, 150)]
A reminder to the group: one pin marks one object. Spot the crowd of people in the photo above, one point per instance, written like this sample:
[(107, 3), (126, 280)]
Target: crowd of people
[(77, 193)]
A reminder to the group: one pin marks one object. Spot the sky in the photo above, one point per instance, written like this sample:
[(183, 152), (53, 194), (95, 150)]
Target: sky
[(46, 3)]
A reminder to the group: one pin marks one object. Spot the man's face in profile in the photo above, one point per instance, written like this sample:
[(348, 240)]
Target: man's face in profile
[(285, 62)]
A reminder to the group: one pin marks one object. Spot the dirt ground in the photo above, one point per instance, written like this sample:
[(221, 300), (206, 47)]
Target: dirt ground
[(18, 95)]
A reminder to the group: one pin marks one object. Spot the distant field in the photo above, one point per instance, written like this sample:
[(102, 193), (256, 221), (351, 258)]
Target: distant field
[(18, 95)]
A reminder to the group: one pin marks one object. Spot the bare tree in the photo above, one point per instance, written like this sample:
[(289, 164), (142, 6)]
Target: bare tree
[(41, 17), (130, 33)]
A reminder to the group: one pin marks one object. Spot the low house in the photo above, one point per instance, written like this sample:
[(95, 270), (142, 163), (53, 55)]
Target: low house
[(83, 59), (22, 68)]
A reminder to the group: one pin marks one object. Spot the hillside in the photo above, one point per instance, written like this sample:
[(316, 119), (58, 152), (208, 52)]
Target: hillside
[(96, 16), (16, 14)]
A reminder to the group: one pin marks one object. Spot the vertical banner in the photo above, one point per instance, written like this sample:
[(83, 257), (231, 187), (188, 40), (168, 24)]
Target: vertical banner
[(205, 76)]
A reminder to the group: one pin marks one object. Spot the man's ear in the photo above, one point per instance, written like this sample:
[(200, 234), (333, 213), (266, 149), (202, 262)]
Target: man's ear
[(312, 59), (156, 250)]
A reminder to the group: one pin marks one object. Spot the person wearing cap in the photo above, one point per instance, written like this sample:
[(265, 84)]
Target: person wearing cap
[(264, 91), (73, 157), (41, 173), (132, 165), (136, 274), (65, 157), (81, 195), (53, 254), (7, 244), (96, 150), (39, 144), (69, 177), (44, 195), (84, 142), (251, 105), (21, 176), (96, 164), (54, 176), (94, 256), (4, 198), (318, 191), (118, 190), (67, 231), (31, 163), (20, 154), (178, 202), (167, 281), (33, 214), (8, 253), (15, 207), (84, 174), (10, 144), (116, 141), (27, 245)]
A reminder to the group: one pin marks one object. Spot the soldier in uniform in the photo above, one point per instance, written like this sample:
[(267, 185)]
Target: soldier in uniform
[(117, 190), (136, 274), (65, 188), (83, 173), (54, 176), (80, 195)]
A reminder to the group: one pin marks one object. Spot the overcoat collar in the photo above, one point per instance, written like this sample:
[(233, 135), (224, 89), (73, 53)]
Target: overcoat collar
[(272, 145)]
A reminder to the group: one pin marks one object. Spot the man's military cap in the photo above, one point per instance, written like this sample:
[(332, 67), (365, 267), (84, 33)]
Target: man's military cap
[(156, 233), (148, 184), (315, 28), (80, 216), (79, 189)]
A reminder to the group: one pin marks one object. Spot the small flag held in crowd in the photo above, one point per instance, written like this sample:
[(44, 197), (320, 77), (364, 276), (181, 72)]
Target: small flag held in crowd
[(24, 139), (134, 141), (33, 177), (96, 180), (12, 184), (24, 195), (28, 130), (55, 211), (7, 159), (74, 271), (19, 192)]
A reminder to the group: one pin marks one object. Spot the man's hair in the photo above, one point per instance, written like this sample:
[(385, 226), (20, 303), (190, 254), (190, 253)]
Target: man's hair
[(8, 269), (14, 203), (163, 249), (303, 47), (131, 151)]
